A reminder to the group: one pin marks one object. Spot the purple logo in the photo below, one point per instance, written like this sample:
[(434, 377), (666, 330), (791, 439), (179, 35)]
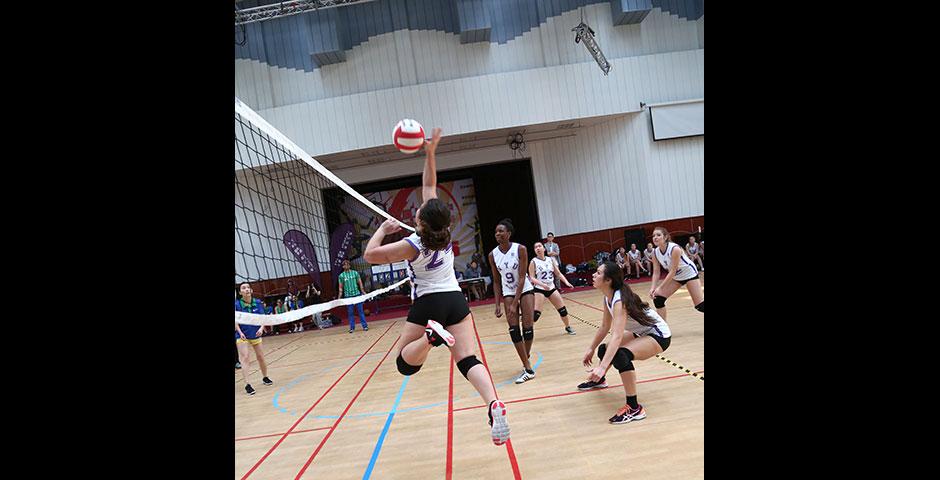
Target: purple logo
[(299, 244), (339, 245)]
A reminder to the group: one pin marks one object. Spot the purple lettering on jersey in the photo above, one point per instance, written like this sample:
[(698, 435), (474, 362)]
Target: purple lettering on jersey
[(510, 278), (434, 263)]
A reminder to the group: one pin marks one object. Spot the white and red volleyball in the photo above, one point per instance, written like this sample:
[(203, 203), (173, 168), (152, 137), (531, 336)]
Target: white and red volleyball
[(408, 136)]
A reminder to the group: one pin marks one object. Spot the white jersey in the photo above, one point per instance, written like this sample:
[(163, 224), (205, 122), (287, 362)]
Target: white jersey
[(545, 271), (508, 266), (692, 249), (684, 270), (648, 254), (635, 255), (431, 271), (632, 326)]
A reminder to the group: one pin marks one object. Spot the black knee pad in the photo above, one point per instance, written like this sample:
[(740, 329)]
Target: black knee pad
[(623, 360), (535, 318), (515, 334), (659, 301), (563, 311), (701, 307), (528, 334), (465, 364), (404, 368), (624, 368)]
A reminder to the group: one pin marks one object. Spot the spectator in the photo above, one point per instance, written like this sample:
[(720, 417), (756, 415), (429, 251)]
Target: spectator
[(350, 285), (648, 258), (554, 251), (473, 271), (633, 260), (480, 259), (311, 296), (621, 259), (297, 304), (693, 251), (267, 309), (292, 288), (289, 306), (278, 308)]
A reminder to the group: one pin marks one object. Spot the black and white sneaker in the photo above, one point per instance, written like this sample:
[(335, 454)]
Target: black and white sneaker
[(589, 385), (267, 381), (569, 330), (249, 390), (526, 376)]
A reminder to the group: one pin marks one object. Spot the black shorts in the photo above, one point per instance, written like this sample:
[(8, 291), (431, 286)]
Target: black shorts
[(546, 293), (663, 342), (683, 282), (446, 308), (530, 292)]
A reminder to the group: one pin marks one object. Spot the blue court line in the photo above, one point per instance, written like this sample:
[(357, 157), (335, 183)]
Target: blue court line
[(284, 389), (298, 379), (388, 422)]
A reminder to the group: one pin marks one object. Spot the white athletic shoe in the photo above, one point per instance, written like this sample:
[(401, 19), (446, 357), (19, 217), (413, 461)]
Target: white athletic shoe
[(441, 333), (525, 377), (499, 426)]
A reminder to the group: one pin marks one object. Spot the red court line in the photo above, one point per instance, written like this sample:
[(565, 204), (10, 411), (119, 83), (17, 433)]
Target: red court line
[(509, 449), (319, 360), (575, 393), (342, 415), (299, 363), (276, 434), (274, 350), (289, 430), (282, 346), (449, 469), (285, 355)]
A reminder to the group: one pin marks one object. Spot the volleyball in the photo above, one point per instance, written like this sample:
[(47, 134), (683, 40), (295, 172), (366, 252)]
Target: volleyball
[(408, 136)]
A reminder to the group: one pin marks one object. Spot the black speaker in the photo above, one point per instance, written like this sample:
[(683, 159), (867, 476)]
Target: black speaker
[(634, 235)]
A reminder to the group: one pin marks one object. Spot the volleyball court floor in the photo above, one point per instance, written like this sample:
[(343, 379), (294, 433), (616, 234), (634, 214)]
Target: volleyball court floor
[(339, 409)]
